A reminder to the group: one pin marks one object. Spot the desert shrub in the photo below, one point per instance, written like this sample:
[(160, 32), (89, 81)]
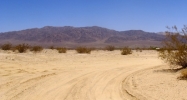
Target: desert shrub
[(183, 74), (83, 50), (126, 51), (174, 51), (110, 48), (61, 50), (6, 46), (138, 49), (36, 48), (21, 48), (52, 47)]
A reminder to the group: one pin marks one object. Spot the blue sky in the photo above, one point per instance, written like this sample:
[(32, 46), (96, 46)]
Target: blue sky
[(120, 15)]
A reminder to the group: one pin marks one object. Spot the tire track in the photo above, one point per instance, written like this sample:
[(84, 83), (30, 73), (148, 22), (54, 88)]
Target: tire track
[(96, 77), (129, 85), (14, 92), (96, 85)]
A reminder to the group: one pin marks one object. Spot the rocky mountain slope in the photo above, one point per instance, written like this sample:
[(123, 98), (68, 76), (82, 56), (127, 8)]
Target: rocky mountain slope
[(81, 36)]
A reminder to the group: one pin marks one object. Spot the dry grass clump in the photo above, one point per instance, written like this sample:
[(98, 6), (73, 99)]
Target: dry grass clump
[(183, 74), (36, 48), (126, 51), (6, 46), (21, 48), (110, 48), (61, 50), (83, 50)]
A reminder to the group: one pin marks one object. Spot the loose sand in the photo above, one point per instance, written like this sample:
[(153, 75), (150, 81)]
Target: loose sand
[(101, 75)]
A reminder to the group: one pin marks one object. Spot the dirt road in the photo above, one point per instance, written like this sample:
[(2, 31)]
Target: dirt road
[(101, 75)]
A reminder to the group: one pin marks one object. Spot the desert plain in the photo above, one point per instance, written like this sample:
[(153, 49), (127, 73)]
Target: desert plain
[(101, 75)]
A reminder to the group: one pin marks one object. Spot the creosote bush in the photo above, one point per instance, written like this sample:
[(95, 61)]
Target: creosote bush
[(61, 50), (21, 48), (36, 48), (110, 48), (175, 49), (126, 51), (6, 46), (83, 50)]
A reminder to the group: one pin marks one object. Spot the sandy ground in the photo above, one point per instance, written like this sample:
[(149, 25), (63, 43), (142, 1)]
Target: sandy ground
[(101, 75)]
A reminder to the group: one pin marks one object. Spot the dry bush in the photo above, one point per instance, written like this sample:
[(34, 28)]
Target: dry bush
[(138, 49), (36, 48), (175, 49), (6, 46), (83, 50), (61, 50), (110, 48), (183, 74), (21, 48), (126, 51), (52, 47)]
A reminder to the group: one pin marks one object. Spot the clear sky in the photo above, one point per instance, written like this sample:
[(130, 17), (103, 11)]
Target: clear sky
[(120, 15)]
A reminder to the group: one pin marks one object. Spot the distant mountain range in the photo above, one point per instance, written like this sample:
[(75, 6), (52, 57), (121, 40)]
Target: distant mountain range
[(82, 36)]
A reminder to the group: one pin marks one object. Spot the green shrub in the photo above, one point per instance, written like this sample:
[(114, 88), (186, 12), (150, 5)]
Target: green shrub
[(61, 50), (22, 48), (7, 46), (126, 51), (83, 50), (110, 48), (36, 48)]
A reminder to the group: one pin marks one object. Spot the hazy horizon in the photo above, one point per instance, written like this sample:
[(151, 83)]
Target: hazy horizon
[(121, 15), (76, 27)]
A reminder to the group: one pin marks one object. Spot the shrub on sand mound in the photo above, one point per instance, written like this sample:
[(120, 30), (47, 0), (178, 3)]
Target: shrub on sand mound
[(6, 46), (83, 50), (126, 51), (61, 50), (183, 74), (110, 48), (22, 48), (36, 48)]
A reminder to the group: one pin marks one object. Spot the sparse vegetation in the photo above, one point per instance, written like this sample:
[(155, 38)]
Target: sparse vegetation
[(36, 48), (175, 49), (83, 50), (183, 74), (110, 48), (52, 47), (126, 51), (6, 46), (152, 48), (138, 49), (21, 48), (61, 50)]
